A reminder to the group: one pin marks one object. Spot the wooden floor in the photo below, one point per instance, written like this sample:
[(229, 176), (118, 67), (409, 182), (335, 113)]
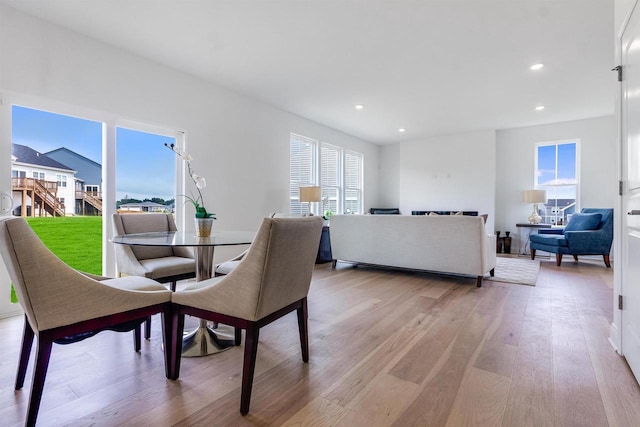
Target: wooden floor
[(387, 348)]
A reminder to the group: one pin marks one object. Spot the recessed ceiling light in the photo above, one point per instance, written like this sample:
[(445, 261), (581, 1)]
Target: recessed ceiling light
[(401, 130), (536, 67), (359, 106), (540, 108)]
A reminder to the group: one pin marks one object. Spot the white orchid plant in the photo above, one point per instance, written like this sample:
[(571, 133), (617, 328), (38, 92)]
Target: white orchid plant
[(199, 181)]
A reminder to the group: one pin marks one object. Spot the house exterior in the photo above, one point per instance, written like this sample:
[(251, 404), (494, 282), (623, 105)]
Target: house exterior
[(40, 185), (146, 206), (88, 180)]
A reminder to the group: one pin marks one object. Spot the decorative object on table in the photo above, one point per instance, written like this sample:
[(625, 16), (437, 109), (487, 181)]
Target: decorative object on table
[(499, 242), (204, 219), (310, 195), (506, 243), (535, 197)]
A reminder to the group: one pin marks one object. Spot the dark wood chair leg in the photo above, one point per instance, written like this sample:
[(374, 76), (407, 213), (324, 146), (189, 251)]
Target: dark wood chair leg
[(558, 259), (167, 335), (147, 328), (333, 264), (303, 315), (607, 261), (172, 286), (533, 254), (43, 354), (27, 342), (173, 349), (479, 282), (575, 257), (238, 336), (137, 338), (249, 366)]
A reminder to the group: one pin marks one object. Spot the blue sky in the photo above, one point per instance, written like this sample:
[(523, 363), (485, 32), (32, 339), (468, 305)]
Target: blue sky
[(145, 168)]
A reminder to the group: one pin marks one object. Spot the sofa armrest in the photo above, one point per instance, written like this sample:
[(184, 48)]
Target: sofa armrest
[(588, 242)]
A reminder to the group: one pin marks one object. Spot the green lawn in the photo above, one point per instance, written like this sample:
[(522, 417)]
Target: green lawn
[(77, 240)]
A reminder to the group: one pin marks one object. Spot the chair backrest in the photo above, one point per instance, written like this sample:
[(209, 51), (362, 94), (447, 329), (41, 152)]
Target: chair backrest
[(606, 223), (42, 281), (277, 268), (146, 223)]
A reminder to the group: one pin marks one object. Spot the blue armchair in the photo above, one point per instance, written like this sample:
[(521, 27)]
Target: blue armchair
[(589, 232)]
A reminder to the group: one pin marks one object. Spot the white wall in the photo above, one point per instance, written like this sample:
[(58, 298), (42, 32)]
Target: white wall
[(389, 176), (453, 172), (515, 163), (240, 145)]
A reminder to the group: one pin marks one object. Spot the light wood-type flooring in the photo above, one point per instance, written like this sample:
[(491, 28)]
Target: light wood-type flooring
[(387, 348)]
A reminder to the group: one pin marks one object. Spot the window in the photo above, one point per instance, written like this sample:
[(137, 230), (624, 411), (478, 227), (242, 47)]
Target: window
[(39, 176), (18, 174), (353, 182), (557, 172), (336, 170), (61, 180)]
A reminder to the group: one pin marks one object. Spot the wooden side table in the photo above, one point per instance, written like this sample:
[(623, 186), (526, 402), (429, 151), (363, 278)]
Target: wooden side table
[(524, 231)]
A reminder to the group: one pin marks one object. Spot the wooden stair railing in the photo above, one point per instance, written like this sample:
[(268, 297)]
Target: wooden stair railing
[(93, 200), (50, 202)]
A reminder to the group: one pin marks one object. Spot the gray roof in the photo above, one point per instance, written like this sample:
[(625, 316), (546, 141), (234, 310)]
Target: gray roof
[(30, 156), (87, 170)]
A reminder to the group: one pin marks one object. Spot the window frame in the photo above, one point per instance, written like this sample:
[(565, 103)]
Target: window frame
[(318, 180), (577, 185)]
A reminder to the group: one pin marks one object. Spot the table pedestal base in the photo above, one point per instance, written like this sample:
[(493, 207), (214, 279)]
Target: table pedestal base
[(205, 340)]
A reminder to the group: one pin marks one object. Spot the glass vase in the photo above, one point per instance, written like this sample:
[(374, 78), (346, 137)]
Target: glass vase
[(203, 227)]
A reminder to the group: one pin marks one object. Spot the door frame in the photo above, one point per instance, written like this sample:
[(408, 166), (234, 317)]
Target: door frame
[(619, 241)]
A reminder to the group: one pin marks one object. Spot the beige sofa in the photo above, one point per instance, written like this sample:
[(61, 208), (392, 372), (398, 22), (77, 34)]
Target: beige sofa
[(446, 244)]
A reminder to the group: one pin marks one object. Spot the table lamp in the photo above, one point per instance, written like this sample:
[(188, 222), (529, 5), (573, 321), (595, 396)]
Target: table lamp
[(310, 195), (535, 197)]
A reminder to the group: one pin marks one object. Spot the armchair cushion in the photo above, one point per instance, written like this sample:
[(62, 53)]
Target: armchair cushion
[(584, 221), (549, 239)]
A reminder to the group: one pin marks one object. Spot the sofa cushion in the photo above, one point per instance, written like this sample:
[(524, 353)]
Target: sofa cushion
[(584, 221), (549, 239)]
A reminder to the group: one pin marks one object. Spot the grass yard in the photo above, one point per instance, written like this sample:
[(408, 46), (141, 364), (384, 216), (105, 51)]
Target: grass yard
[(77, 240)]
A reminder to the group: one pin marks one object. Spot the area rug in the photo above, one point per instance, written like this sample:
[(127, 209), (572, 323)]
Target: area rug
[(516, 270)]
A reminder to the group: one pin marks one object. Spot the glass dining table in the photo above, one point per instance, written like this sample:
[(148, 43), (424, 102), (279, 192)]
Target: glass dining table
[(204, 340)]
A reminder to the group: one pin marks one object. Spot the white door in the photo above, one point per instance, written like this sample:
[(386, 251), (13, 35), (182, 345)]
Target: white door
[(630, 315)]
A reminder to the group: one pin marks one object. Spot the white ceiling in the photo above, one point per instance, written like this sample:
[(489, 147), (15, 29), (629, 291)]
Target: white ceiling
[(432, 67)]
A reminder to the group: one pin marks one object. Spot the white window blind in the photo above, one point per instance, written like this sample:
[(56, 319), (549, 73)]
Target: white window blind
[(330, 179), (302, 170), (338, 172), (353, 182)]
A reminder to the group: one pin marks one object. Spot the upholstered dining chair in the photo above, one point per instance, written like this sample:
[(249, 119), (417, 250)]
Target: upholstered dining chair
[(272, 280), (227, 266), (162, 264), (63, 305)]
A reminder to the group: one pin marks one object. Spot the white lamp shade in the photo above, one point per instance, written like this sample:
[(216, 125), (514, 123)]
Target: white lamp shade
[(534, 196), (310, 194)]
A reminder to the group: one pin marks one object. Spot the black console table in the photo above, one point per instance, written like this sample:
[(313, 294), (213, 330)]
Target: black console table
[(324, 250)]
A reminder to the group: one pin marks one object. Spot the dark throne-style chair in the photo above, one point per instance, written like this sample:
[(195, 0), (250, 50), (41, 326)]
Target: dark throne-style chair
[(589, 232), (162, 264), (64, 306), (272, 280)]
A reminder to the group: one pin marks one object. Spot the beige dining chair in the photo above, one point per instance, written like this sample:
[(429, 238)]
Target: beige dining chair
[(272, 280), (163, 264), (63, 305), (227, 266)]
